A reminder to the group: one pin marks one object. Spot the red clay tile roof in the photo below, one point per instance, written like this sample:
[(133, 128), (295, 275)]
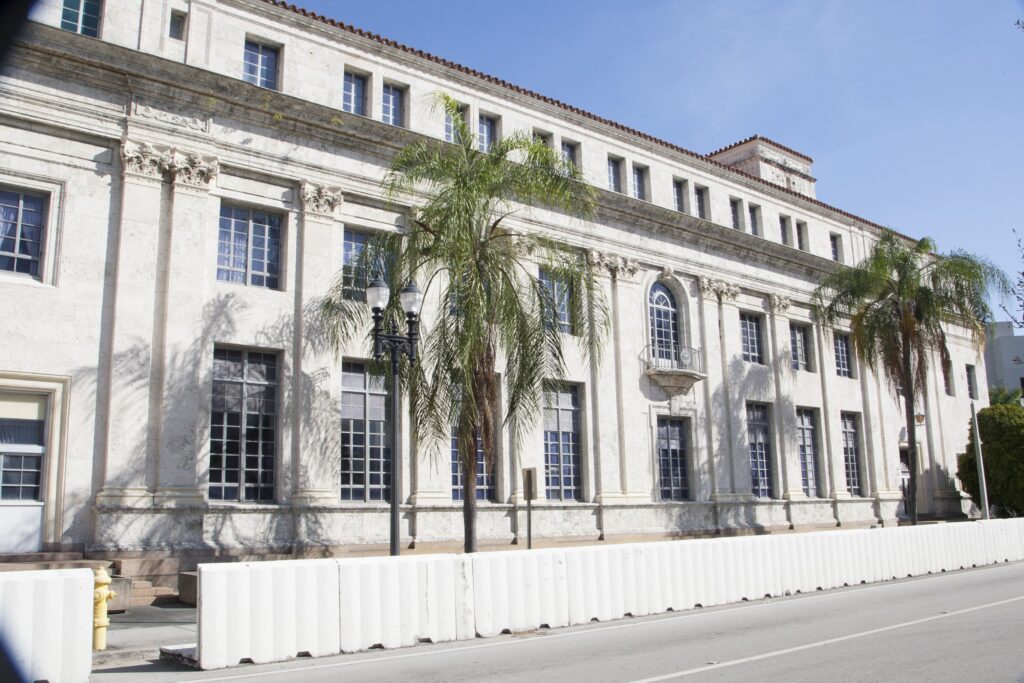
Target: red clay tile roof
[(763, 139), (568, 107)]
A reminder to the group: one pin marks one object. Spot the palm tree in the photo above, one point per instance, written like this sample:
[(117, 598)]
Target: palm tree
[(495, 313), (898, 301)]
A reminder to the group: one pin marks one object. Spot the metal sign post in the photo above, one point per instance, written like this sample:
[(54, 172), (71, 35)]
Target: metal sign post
[(981, 463), (529, 492)]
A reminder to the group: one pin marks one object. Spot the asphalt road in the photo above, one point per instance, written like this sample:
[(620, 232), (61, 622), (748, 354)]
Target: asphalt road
[(962, 626)]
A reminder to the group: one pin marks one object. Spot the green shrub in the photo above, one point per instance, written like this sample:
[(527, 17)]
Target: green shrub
[(1002, 439)]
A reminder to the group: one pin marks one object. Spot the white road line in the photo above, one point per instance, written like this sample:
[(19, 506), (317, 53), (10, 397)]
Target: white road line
[(666, 618), (820, 643)]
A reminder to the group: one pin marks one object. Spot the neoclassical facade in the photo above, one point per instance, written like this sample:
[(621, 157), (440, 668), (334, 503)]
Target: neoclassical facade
[(180, 181)]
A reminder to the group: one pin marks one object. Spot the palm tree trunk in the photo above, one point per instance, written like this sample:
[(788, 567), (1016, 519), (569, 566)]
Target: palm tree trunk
[(468, 497), (908, 402), (485, 391)]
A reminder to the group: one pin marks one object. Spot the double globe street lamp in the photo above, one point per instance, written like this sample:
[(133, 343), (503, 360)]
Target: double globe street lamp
[(377, 295)]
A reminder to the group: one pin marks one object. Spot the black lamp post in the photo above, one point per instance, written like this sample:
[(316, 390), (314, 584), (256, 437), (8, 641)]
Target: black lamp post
[(377, 295)]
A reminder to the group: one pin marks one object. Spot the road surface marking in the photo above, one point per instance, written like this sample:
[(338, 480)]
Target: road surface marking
[(820, 643)]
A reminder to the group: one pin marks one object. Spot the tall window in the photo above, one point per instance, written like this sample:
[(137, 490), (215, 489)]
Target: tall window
[(801, 236), (81, 16), (260, 65), (736, 208), (806, 446), (353, 98), (243, 425), (365, 435), (700, 197), (22, 446), (750, 332), (836, 242), (392, 105), (759, 441), (487, 132), (843, 366), (639, 182), (754, 213), (947, 376), (664, 324), (679, 195), (784, 230), (249, 247), (21, 231), (798, 346), (177, 24), (451, 133), (561, 297), (562, 469), (972, 383), (353, 273), (614, 174), (673, 437), (484, 478), (569, 154), (851, 453)]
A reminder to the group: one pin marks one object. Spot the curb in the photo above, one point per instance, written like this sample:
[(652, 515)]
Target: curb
[(132, 654)]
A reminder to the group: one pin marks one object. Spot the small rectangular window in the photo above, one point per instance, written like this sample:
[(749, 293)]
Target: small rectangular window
[(22, 230), (972, 383), (700, 197), (806, 443), (750, 330), (640, 182), (392, 105), (736, 208), (22, 446), (176, 28), (799, 346), (836, 242), (487, 132), (570, 154), (563, 472), (784, 235), (801, 236), (844, 364), (354, 278), (260, 65), (614, 174), (542, 137), (81, 16), (679, 195), (754, 213), (759, 443), (249, 247), (557, 311), (851, 453), (243, 425), (451, 133), (354, 95)]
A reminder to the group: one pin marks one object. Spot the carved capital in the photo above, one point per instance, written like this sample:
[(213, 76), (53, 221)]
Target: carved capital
[(320, 199), (778, 303), (727, 292), (708, 287), (194, 170), (144, 160), (616, 266)]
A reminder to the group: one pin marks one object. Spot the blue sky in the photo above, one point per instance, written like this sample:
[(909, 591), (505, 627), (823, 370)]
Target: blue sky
[(912, 111)]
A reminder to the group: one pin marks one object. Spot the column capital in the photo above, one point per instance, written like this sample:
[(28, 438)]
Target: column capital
[(191, 169), (143, 160), (725, 292), (778, 303), (321, 200), (618, 267)]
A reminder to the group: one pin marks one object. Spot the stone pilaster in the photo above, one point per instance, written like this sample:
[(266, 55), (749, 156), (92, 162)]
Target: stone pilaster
[(129, 464), (786, 472), (187, 356), (316, 372), (830, 468)]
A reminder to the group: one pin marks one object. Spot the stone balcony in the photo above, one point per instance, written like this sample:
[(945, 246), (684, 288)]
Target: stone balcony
[(675, 369)]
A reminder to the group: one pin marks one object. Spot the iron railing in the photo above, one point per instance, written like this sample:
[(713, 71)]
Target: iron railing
[(672, 357)]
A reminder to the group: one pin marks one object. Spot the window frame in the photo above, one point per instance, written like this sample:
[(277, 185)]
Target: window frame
[(807, 451), (349, 99), (843, 348), (372, 386), (227, 204), (680, 195), (486, 482), (736, 213), (615, 173), (752, 348), (560, 492), (836, 245), (754, 219), (561, 295), (389, 92), (972, 382), (182, 16), (78, 25), (785, 230), (851, 452), (573, 149), (800, 232), (487, 131), (677, 465), (800, 347), (759, 448), (641, 189), (270, 47), (40, 260)]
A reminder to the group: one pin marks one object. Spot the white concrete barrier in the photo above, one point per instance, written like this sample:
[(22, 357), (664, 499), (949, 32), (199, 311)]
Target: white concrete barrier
[(46, 623), (270, 611)]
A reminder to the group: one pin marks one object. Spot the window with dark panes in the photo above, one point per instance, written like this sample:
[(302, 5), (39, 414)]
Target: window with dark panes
[(365, 435)]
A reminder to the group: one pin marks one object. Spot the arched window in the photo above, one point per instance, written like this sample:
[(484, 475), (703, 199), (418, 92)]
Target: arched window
[(664, 324)]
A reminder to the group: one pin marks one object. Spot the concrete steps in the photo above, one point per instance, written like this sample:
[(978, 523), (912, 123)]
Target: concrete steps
[(145, 593)]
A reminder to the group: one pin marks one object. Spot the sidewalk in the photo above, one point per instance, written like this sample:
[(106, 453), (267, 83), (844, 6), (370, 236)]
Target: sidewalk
[(139, 633)]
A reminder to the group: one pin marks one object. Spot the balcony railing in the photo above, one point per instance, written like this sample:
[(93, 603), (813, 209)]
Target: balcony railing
[(673, 357)]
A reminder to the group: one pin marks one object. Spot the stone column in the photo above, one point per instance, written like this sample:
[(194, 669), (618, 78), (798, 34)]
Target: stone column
[(316, 375), (787, 462), (186, 351), (128, 465), (735, 405), (831, 467)]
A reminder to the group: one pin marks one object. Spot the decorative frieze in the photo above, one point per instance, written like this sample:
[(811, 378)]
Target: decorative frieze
[(146, 109), (320, 199), (144, 160)]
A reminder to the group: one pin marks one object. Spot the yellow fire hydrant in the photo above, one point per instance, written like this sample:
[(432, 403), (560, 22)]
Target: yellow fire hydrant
[(100, 596)]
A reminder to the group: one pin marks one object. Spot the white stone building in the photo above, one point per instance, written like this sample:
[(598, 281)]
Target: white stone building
[(1004, 356), (180, 179)]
